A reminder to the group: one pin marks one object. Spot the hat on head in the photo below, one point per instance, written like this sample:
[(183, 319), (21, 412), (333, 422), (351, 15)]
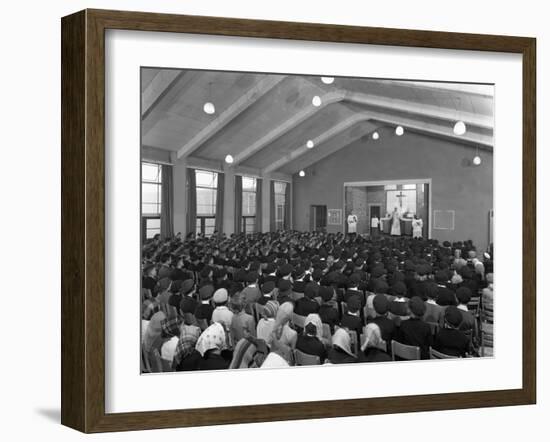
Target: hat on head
[(326, 293), (251, 277), (299, 272), (380, 286), (176, 286), (148, 268), (286, 269), (441, 276), (187, 286), (284, 285), (311, 290), (268, 287), (240, 275), (163, 284), (381, 304), (464, 294), (399, 288), (430, 290), (377, 272), (453, 317), (187, 305), (220, 296), (270, 268), (206, 292), (317, 274), (417, 306), (355, 278), (270, 309)]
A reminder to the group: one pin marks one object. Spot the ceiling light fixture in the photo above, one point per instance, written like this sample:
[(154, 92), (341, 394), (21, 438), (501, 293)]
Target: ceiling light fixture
[(375, 135), (477, 160), (399, 131), (327, 80), (310, 144), (302, 173), (229, 159), (316, 101), (459, 128), (209, 107)]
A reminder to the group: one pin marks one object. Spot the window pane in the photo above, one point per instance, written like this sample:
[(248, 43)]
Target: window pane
[(280, 187), (153, 223), (409, 186), (206, 201), (249, 184), (206, 179), (249, 203), (151, 172), (390, 187), (150, 209), (209, 222), (208, 231), (150, 193), (150, 233), (198, 225)]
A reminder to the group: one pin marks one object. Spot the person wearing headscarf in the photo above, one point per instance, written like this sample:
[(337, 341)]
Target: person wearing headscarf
[(288, 336), (374, 349), (274, 360), (249, 353), (341, 353), (310, 341), (186, 357), (266, 323), (153, 334), (210, 345)]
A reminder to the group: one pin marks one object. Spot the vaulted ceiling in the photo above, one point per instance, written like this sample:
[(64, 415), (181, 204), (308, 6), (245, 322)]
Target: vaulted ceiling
[(264, 120)]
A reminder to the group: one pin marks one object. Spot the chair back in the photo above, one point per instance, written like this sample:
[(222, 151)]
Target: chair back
[(326, 332), (354, 341), (407, 352), (302, 358), (434, 354)]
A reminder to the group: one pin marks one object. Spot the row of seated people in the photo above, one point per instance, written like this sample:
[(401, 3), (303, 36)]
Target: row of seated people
[(176, 333)]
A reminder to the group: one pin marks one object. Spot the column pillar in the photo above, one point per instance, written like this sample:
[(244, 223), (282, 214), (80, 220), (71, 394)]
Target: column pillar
[(266, 202), (229, 200), (180, 196)]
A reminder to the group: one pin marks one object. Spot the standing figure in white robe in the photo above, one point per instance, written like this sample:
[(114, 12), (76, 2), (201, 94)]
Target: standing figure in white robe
[(352, 223), (417, 225), (395, 223)]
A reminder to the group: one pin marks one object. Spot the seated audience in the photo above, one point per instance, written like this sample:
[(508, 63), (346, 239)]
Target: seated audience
[(310, 341), (414, 331), (327, 312), (374, 349), (341, 353), (450, 340), (210, 345)]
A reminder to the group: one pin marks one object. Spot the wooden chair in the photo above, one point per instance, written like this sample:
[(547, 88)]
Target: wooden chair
[(474, 305), (486, 319), (406, 352), (305, 359), (354, 341), (434, 354), (326, 332)]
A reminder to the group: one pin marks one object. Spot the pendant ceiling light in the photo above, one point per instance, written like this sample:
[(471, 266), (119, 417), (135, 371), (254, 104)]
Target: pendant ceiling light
[(310, 144), (302, 173), (316, 101), (229, 159), (327, 80), (399, 131), (459, 128), (375, 135), (209, 107)]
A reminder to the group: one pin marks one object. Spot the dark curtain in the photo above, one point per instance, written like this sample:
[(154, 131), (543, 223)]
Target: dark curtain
[(258, 205), (287, 206), (272, 226), (167, 203), (238, 204), (219, 202), (191, 201)]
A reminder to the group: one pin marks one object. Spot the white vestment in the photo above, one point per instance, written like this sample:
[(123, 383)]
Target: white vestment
[(417, 225), (395, 224), (352, 224)]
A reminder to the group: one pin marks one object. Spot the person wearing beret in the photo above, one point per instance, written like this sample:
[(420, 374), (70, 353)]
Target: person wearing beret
[(414, 331), (450, 340), (434, 312), (351, 319), (306, 305), (381, 308), (399, 310), (284, 291), (445, 296), (327, 312), (269, 273), (268, 290), (204, 308), (221, 312)]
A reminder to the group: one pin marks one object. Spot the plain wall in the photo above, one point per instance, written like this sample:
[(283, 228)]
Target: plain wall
[(456, 183), (31, 390)]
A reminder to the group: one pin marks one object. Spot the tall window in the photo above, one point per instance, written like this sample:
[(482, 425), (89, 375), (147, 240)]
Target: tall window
[(280, 197), (207, 185), (249, 205), (151, 183)]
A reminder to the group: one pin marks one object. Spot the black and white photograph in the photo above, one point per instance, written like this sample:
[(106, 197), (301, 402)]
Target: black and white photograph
[(307, 220)]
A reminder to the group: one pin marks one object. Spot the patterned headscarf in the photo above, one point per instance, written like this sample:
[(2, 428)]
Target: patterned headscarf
[(212, 338), (373, 337)]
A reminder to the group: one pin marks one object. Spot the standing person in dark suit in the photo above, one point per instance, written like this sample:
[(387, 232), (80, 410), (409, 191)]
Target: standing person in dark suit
[(450, 340), (414, 331)]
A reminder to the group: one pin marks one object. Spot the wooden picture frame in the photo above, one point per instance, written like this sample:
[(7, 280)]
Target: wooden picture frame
[(83, 219)]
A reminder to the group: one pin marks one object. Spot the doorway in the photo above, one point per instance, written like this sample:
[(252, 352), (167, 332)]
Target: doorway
[(318, 218), (374, 212)]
